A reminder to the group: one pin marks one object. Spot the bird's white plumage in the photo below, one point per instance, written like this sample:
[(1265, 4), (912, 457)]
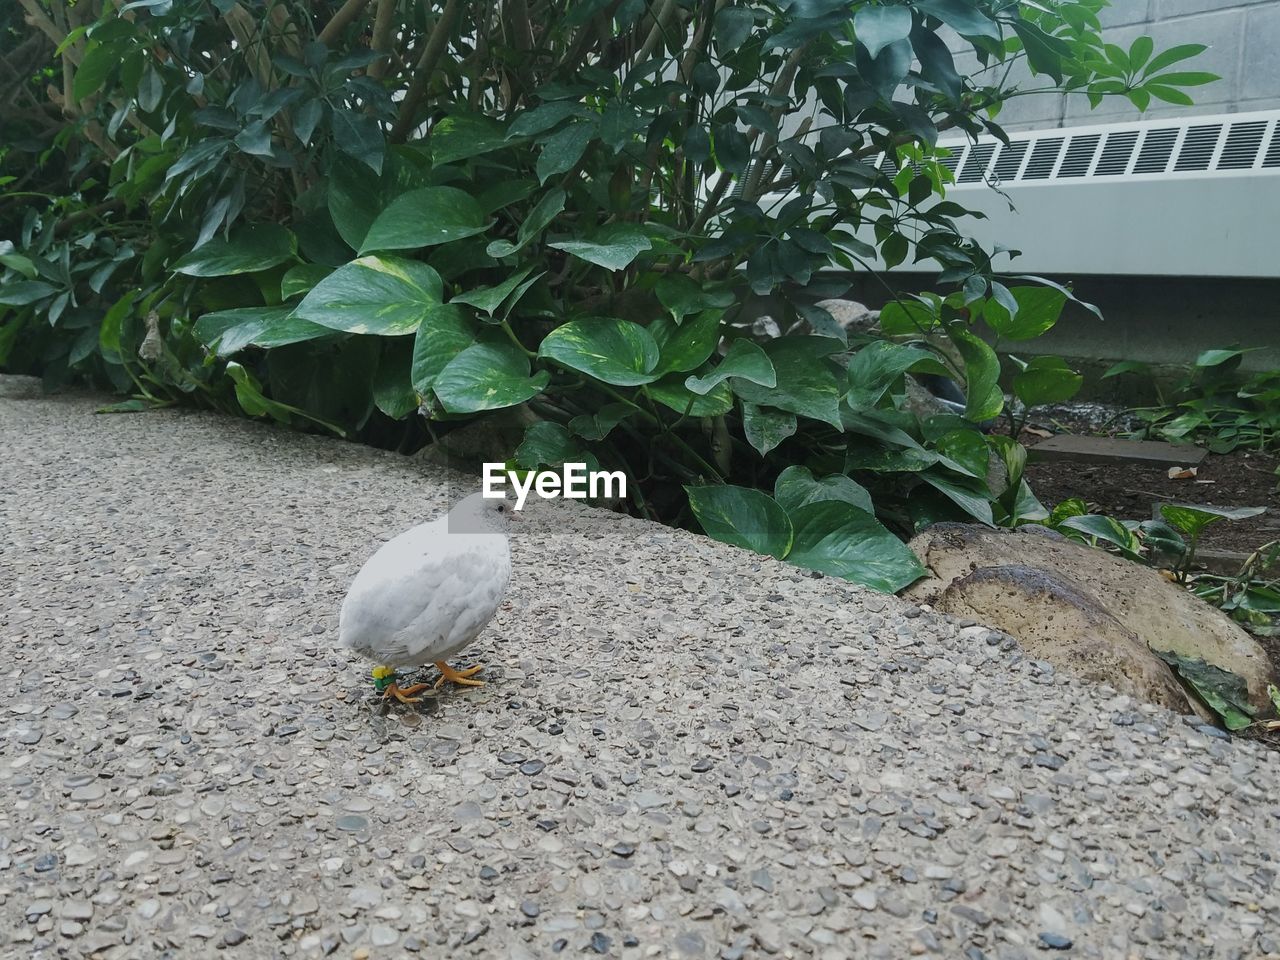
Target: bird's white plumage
[(430, 591)]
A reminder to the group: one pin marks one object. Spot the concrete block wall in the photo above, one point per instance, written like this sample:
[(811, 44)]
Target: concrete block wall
[(1244, 49)]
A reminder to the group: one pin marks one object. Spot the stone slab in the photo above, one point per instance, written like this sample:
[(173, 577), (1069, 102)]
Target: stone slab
[(1154, 453)]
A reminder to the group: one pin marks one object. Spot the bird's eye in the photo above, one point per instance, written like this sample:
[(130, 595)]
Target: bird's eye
[(502, 508)]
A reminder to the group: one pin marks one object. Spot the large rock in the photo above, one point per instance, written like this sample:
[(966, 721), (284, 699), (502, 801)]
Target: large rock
[(855, 317), (1089, 613)]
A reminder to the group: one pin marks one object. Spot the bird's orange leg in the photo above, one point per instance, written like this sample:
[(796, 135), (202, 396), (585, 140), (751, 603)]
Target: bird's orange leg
[(405, 694), (460, 677)]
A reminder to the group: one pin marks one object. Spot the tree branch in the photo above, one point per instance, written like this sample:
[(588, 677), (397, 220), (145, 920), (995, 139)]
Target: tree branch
[(426, 66), (659, 27), (345, 16), (383, 21)]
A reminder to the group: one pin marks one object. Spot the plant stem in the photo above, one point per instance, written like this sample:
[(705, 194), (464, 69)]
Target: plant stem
[(506, 328)]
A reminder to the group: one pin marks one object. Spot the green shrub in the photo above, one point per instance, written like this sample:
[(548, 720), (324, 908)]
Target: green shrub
[(387, 218), (1214, 404)]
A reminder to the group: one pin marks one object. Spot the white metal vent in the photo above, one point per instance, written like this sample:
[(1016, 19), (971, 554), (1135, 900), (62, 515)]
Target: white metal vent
[(1198, 146), (976, 162), (1044, 157), (1010, 160), (952, 162), (1243, 142), (1273, 152), (1169, 197), (1156, 151), (1080, 154), (1116, 154), (1241, 149)]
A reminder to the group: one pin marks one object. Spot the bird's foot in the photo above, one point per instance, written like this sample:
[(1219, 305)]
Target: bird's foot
[(405, 694), (460, 677), (384, 681)]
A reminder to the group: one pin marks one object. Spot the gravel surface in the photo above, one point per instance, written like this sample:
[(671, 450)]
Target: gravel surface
[(684, 750)]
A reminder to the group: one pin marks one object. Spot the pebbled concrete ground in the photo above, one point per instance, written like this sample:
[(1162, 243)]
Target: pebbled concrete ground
[(684, 750)]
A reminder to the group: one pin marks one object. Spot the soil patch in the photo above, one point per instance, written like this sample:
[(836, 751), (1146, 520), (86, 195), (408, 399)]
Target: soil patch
[(1128, 491)]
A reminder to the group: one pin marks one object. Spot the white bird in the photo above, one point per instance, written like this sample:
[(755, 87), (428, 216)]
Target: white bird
[(428, 593)]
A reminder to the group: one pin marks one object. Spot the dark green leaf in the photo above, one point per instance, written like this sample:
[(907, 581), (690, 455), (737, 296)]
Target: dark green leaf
[(17, 262), (742, 517), (796, 486), (359, 136), (487, 377), (982, 377), (683, 296), (444, 333), (563, 149), (877, 27), (98, 62), (598, 425), (733, 26), (1036, 310), (134, 405), (393, 391), (901, 317), (807, 382), (1046, 380), (612, 247), (745, 359), (731, 148), (250, 249), (379, 295), (1225, 692), (1192, 520), (1104, 528), (489, 299), (878, 366), (538, 219), (305, 120), (465, 135), (424, 218), (353, 201), (963, 16), (1167, 58), (1045, 53), (542, 118), (256, 404), (298, 280), (670, 392), (885, 72), (20, 293), (255, 139), (1140, 52), (548, 444), (965, 451), (1215, 358), (615, 351), (1127, 366), (229, 331), (685, 347), (844, 541), (765, 428), (976, 503)]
